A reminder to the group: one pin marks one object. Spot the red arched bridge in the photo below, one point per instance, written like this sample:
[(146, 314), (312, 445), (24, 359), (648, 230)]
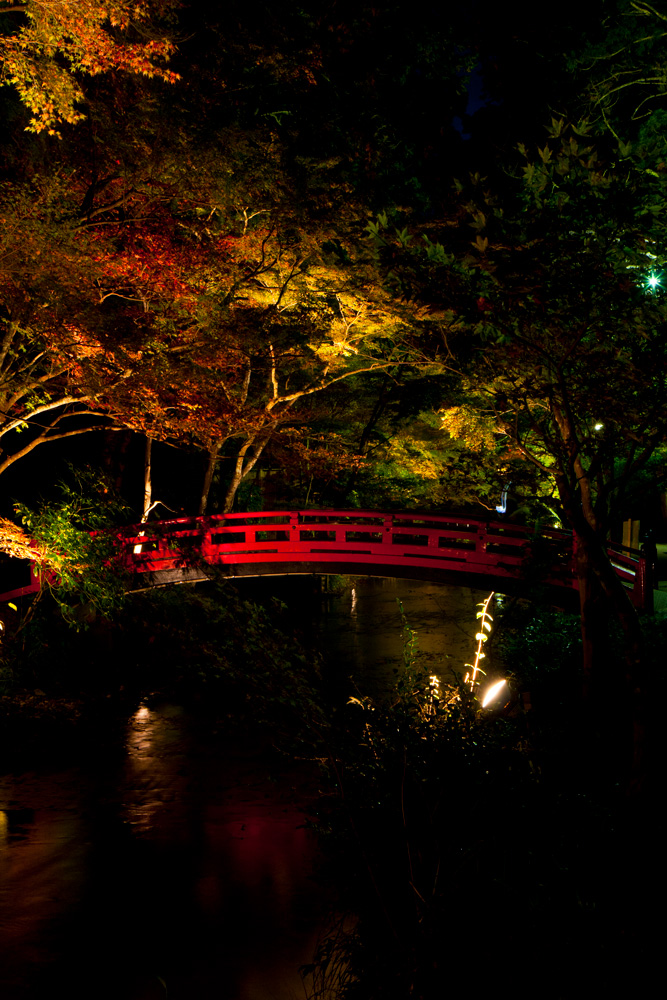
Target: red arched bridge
[(453, 548)]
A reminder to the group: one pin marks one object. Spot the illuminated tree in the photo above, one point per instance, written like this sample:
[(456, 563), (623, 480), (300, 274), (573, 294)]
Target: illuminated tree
[(193, 306), (41, 274), (46, 42), (560, 337)]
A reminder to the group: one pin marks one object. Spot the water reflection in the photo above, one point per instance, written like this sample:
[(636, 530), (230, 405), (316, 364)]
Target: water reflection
[(361, 627), (173, 862), (44, 849), (153, 780), (166, 857)]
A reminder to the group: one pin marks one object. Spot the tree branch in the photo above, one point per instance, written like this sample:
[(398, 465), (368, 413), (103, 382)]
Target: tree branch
[(44, 438), (46, 408)]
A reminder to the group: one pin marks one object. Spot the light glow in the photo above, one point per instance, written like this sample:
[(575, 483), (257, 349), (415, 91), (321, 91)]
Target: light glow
[(502, 506), (484, 619), (493, 692), (433, 694)]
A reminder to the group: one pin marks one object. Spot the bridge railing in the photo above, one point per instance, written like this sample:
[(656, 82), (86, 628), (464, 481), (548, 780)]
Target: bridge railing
[(500, 548), (368, 536), (634, 571), (364, 538)]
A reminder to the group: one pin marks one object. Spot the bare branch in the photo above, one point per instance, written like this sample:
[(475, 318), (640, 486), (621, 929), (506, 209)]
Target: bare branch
[(44, 438), (293, 270), (274, 380), (10, 333), (247, 218), (128, 298), (646, 10), (107, 208), (325, 385), (45, 408)]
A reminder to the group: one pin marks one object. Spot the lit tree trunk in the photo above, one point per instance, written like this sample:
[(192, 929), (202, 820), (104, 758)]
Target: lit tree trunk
[(244, 464), (148, 481), (148, 490)]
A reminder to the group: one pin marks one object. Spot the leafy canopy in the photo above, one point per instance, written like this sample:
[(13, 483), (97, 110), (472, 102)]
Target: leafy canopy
[(56, 39), (75, 552)]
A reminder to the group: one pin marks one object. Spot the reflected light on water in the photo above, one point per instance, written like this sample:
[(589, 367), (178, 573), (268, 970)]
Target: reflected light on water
[(140, 734), (362, 626), (206, 880), (149, 774)]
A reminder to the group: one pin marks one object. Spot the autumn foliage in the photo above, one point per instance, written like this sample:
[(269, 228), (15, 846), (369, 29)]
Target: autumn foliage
[(54, 40)]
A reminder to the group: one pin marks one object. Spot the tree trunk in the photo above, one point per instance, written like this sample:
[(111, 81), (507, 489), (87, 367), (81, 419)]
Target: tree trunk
[(148, 489), (148, 480), (594, 613), (378, 410), (114, 456), (244, 465), (615, 701), (208, 475)]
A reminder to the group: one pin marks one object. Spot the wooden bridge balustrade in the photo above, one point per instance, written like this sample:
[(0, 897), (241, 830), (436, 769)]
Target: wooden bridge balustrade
[(451, 547)]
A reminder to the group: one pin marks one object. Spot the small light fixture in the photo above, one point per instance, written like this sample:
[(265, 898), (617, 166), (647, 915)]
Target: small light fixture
[(493, 692), (502, 506), (598, 426)]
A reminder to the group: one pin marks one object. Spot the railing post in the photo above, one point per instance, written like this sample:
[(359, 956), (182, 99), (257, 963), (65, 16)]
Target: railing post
[(482, 535), (206, 547), (294, 529), (388, 530), (644, 585)]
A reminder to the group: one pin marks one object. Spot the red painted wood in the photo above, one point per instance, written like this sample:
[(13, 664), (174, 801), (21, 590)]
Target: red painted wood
[(365, 538)]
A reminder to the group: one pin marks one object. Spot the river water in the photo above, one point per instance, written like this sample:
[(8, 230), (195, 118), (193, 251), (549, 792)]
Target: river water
[(361, 629), (169, 863)]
